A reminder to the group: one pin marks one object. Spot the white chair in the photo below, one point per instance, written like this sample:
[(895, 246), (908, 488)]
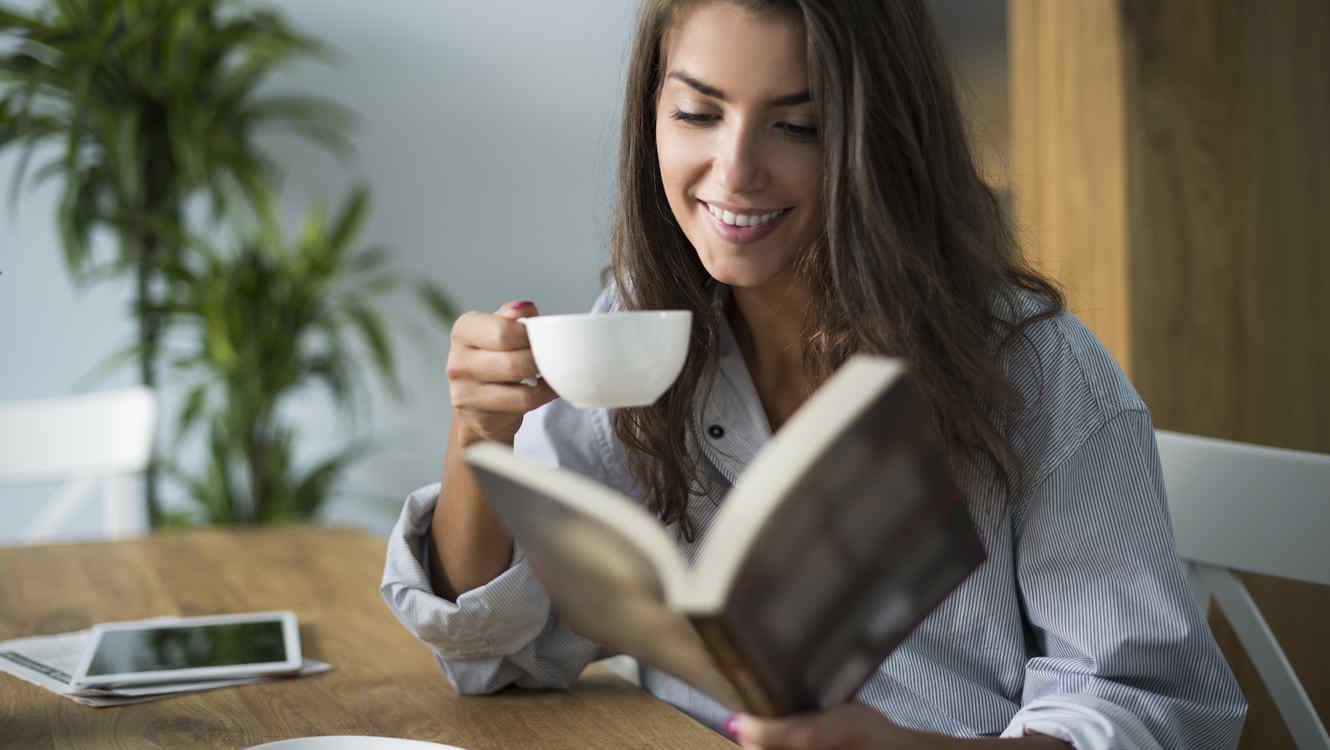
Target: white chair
[(1265, 510), (100, 437)]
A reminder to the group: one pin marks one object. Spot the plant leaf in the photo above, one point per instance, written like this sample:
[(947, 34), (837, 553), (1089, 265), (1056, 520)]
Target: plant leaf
[(437, 301), (193, 409), (124, 134), (322, 121), (11, 19), (315, 488), (372, 332), (332, 369), (110, 364), (369, 259), (349, 221)]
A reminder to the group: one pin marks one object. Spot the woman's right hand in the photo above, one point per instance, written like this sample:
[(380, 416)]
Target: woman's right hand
[(488, 358)]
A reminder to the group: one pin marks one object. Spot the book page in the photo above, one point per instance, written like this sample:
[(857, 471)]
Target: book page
[(602, 579), (801, 446), (854, 552)]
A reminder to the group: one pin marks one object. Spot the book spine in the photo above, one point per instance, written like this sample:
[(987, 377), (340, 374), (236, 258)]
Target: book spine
[(732, 664)]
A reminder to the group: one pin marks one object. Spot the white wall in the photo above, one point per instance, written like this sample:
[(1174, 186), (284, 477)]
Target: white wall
[(488, 139)]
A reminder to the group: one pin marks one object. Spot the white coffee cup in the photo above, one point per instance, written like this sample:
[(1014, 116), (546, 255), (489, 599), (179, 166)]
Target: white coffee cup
[(613, 359)]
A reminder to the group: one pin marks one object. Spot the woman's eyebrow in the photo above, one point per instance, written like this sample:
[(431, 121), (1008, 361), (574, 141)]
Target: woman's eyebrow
[(707, 89)]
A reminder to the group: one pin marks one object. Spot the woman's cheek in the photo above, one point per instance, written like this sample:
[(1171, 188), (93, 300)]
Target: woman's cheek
[(673, 151)]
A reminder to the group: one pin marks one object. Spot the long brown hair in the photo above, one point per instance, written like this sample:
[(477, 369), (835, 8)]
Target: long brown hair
[(918, 258)]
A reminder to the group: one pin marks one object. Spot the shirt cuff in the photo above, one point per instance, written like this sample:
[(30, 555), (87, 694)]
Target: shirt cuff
[(496, 619), (1084, 721)]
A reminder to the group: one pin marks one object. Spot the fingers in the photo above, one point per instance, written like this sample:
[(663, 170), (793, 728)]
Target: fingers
[(492, 376), (812, 731), (498, 331), (500, 398), (491, 366), (518, 309)]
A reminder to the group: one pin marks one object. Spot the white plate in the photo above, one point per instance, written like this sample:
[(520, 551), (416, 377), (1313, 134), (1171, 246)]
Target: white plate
[(352, 743)]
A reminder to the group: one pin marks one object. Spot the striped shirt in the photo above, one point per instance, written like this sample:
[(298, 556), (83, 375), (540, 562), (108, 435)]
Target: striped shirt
[(1078, 625)]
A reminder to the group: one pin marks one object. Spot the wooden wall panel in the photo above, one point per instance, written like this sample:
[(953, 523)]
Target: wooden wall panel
[(1068, 154), (1228, 188), (1215, 293)]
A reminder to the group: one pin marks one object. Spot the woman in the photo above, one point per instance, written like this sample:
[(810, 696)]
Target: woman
[(796, 174)]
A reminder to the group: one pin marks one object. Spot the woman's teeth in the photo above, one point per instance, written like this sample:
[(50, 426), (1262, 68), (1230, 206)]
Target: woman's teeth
[(742, 220)]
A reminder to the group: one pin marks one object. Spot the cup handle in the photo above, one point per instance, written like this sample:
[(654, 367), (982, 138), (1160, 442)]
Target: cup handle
[(528, 381)]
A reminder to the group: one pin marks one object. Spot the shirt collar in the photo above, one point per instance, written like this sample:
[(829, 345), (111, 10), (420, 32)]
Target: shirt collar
[(731, 422)]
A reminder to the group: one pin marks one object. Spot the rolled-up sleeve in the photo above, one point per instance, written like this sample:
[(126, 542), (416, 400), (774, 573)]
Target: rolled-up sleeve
[(1128, 661), (498, 634)]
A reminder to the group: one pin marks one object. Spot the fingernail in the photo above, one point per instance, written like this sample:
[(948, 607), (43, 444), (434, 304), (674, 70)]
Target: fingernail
[(522, 304), (732, 726)]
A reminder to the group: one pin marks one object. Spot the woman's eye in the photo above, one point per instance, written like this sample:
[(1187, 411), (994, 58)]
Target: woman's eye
[(692, 117), (802, 132), (798, 132)]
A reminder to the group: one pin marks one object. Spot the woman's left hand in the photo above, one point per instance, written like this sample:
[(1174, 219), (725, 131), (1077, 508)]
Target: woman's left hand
[(849, 725)]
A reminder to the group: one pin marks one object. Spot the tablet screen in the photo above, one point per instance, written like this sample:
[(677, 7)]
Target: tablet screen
[(152, 649)]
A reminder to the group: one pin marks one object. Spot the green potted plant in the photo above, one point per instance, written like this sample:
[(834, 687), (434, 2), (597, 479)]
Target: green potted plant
[(152, 104), (260, 322)]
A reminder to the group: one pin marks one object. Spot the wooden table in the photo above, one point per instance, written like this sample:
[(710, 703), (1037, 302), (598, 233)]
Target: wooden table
[(383, 682)]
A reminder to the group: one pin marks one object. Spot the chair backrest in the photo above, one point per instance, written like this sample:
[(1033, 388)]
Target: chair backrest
[(1248, 507), (99, 437), (1258, 509)]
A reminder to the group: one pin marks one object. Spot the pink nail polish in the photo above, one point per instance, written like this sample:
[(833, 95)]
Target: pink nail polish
[(522, 304), (732, 726)]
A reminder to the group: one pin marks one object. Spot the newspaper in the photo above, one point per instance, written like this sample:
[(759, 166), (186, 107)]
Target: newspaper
[(49, 661)]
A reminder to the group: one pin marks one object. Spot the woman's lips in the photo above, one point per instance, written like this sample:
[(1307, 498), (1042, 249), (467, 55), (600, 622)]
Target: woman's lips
[(742, 235)]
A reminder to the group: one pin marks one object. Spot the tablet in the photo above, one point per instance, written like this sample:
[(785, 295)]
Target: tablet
[(172, 649)]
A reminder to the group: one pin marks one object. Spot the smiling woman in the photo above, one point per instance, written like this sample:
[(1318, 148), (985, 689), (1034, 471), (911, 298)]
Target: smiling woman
[(857, 221), (795, 174)]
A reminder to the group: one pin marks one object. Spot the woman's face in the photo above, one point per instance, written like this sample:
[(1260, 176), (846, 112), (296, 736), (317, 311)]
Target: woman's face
[(740, 156)]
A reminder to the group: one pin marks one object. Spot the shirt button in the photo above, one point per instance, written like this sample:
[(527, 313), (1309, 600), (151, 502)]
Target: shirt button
[(716, 431)]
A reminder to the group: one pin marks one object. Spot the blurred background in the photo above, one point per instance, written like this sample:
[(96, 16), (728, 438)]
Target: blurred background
[(490, 173), (1164, 161)]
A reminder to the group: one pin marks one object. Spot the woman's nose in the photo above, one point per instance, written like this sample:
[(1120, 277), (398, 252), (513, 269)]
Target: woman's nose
[(738, 161)]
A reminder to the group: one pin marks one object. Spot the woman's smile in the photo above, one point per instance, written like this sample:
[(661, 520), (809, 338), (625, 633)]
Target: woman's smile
[(743, 226)]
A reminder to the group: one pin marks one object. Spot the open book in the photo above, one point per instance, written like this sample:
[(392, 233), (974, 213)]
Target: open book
[(843, 533)]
